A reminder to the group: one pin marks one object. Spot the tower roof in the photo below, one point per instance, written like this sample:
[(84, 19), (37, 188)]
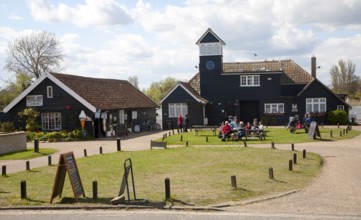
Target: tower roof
[(210, 37)]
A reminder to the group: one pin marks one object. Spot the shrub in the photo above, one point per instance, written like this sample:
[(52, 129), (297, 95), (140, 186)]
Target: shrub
[(31, 117), (337, 117), (7, 127), (266, 120)]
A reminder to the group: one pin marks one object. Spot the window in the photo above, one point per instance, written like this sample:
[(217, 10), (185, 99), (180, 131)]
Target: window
[(274, 108), (51, 121), (340, 107), (250, 80), (121, 116), (134, 114), (210, 49), (316, 105), (177, 108), (49, 91)]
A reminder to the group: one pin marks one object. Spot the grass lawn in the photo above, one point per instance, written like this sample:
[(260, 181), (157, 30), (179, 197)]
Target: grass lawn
[(27, 154), (198, 175), (278, 135)]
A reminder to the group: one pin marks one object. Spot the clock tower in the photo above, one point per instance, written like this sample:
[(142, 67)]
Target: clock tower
[(210, 61)]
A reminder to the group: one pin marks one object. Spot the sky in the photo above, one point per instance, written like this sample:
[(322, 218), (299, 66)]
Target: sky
[(155, 39)]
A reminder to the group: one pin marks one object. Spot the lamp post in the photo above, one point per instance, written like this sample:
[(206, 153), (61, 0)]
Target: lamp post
[(82, 118)]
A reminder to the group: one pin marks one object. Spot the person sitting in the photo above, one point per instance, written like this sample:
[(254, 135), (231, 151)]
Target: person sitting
[(248, 128), (307, 122), (220, 130), (226, 131), (241, 130)]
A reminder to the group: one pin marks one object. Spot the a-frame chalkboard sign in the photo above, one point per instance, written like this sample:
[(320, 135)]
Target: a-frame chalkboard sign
[(67, 163)]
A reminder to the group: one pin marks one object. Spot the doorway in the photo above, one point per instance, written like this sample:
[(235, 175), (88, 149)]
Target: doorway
[(248, 110)]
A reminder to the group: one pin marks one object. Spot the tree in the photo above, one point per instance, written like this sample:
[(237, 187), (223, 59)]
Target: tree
[(134, 81), (344, 79), (13, 88), (158, 90), (34, 54)]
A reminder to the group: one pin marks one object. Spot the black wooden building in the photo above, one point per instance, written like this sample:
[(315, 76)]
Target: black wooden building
[(270, 90), (111, 106)]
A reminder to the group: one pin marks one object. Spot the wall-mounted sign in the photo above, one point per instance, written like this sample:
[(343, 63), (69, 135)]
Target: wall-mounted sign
[(294, 108), (34, 100)]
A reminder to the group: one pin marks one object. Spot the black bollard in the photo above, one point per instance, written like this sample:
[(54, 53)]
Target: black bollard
[(36, 145), (181, 138), (172, 132), (245, 143), (292, 146), (49, 160), (167, 188), (340, 133), (273, 144), (119, 148), (3, 173), (23, 189), (186, 143), (85, 154), (100, 150), (290, 165), (343, 132), (27, 165), (95, 189), (304, 153), (206, 138), (234, 181), (331, 134), (270, 173), (294, 158)]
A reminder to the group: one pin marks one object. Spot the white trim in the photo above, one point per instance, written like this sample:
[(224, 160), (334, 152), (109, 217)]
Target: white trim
[(199, 100), (57, 82), (214, 34)]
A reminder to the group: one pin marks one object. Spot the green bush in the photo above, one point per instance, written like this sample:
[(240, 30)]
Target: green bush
[(266, 120), (337, 117), (31, 117), (7, 127), (57, 136)]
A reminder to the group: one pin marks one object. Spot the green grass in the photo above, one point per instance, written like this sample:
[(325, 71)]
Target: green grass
[(198, 175), (278, 135), (27, 154)]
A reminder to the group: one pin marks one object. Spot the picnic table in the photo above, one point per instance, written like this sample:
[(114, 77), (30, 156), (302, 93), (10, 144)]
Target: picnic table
[(249, 134), (197, 128)]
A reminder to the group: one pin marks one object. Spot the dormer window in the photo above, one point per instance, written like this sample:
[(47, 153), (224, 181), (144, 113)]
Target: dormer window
[(49, 92), (210, 49)]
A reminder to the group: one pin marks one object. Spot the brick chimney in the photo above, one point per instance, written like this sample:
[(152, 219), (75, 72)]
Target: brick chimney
[(313, 66)]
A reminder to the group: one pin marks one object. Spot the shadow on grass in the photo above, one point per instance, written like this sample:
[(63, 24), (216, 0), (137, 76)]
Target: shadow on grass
[(107, 201), (174, 201)]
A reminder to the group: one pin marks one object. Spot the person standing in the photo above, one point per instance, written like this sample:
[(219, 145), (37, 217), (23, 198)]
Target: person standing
[(186, 123), (180, 122)]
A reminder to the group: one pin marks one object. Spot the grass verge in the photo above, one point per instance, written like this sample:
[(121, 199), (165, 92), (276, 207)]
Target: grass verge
[(198, 176), (27, 154)]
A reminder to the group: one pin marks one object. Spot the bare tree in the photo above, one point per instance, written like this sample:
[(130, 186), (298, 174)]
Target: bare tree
[(344, 79), (34, 54), (134, 81)]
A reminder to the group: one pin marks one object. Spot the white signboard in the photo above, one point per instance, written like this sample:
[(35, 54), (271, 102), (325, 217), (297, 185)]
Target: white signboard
[(34, 100)]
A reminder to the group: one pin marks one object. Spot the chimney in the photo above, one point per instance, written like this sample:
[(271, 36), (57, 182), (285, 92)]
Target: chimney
[(313, 66)]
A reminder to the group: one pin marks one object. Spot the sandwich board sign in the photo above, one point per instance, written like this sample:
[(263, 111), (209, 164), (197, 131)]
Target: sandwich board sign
[(314, 131), (67, 164)]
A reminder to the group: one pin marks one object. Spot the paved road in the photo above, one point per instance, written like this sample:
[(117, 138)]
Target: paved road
[(336, 192)]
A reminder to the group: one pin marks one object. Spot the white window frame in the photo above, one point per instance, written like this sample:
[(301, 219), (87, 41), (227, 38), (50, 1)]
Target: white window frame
[(49, 92), (318, 104), (210, 49), (174, 109), (51, 121), (134, 114), (340, 107), (250, 80), (270, 108)]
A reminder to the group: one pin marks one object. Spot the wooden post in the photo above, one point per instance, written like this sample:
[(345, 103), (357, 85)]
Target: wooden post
[(270, 173), (346, 131), (340, 133), (273, 145), (167, 188), (172, 132), (245, 143), (36, 145), (100, 150), (206, 138), (186, 143), (3, 172), (181, 138), (290, 165), (295, 158), (119, 147), (169, 134), (27, 165), (331, 134), (304, 153), (23, 189), (343, 132), (95, 189), (85, 154), (293, 147), (49, 160), (338, 125), (234, 181)]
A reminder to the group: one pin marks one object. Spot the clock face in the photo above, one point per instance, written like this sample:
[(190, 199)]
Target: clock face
[(210, 64)]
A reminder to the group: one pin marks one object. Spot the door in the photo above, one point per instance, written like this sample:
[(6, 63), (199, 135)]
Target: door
[(248, 111)]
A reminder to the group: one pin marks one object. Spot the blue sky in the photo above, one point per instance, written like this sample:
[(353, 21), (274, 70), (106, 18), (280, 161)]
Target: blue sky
[(155, 39)]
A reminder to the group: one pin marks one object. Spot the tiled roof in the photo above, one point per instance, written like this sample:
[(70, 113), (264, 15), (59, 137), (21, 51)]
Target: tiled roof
[(293, 72), (195, 83), (106, 93)]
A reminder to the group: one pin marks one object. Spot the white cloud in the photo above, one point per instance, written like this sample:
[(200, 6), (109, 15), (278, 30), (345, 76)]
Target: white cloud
[(92, 13), (15, 17)]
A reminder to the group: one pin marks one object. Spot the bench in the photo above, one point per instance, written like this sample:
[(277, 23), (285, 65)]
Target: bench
[(158, 144), (250, 134), (197, 128)]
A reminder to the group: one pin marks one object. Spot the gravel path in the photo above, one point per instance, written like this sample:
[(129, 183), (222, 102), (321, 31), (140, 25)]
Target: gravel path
[(336, 191)]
